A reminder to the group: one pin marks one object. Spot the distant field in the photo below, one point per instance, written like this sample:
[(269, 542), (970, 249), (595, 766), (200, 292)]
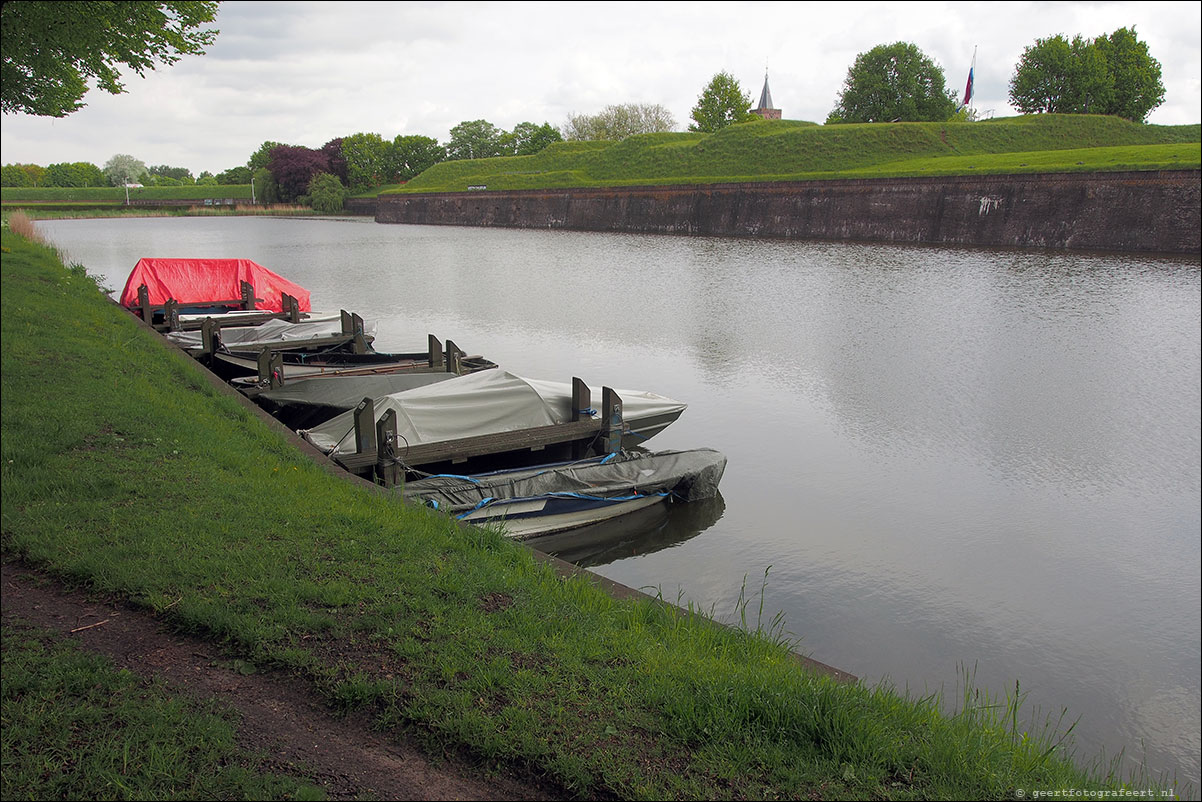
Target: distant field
[(786, 150)]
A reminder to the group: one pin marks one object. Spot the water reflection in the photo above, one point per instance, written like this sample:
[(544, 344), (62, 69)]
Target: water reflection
[(643, 532)]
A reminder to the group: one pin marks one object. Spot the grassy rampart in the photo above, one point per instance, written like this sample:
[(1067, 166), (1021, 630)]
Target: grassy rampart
[(125, 471), (784, 150)]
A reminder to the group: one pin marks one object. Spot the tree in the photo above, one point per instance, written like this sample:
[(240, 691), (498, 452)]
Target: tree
[(367, 160), (14, 175), (1057, 76), (74, 174), (1136, 88), (1110, 75), (414, 154), (528, 138), (615, 123), (333, 151), (234, 175), (263, 186), (722, 103), (326, 193), (52, 49), (181, 174), (123, 169), (891, 83), (293, 167), (262, 157), (477, 139)]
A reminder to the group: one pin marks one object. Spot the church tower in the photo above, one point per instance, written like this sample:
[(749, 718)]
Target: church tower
[(765, 108)]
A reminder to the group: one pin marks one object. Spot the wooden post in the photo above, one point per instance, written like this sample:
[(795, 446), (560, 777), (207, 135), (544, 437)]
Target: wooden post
[(365, 426), (248, 295), (347, 326), (291, 307), (434, 348), (171, 315), (144, 303), (359, 343), (386, 465), (582, 402), (453, 358), (271, 368), (210, 337), (611, 421)]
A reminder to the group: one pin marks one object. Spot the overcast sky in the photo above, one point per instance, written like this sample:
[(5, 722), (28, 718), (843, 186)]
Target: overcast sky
[(304, 73)]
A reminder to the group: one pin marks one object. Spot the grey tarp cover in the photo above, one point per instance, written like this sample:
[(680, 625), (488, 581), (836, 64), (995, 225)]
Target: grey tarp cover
[(345, 392), (688, 475), (487, 402), (272, 332)]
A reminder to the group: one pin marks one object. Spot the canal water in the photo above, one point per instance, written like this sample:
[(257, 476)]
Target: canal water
[(942, 462)]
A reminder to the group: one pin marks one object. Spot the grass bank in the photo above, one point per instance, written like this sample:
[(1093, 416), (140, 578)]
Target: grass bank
[(787, 150), (126, 472)]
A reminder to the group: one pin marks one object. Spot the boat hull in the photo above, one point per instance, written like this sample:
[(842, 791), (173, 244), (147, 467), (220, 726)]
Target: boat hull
[(544, 499)]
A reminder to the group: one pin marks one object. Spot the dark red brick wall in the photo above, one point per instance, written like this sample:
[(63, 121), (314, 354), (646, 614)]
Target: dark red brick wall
[(1134, 211)]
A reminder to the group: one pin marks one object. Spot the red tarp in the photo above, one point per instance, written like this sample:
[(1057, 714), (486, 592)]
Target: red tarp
[(193, 281)]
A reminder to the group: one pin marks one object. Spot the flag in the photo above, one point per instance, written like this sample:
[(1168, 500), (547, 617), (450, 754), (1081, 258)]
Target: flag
[(968, 87)]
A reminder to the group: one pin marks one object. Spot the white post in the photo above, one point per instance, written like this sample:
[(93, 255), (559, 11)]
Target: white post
[(252, 190)]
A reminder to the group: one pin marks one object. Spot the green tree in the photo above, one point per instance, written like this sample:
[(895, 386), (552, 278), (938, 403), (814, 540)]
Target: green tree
[(234, 175), (476, 139), (367, 160), (14, 175), (1135, 83), (895, 82), (264, 189), (529, 138), (74, 174), (1059, 76), (262, 157), (326, 193), (123, 169), (1109, 75), (182, 175), (52, 49), (413, 154), (615, 123), (723, 102)]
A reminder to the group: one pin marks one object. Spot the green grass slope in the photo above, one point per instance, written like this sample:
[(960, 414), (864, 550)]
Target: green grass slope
[(787, 150)]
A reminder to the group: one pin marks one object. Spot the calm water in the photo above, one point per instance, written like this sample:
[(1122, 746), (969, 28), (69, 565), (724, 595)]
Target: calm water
[(941, 460)]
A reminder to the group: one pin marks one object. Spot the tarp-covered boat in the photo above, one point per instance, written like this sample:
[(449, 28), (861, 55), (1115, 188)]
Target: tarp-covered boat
[(275, 334), (490, 402), (530, 502), (201, 282)]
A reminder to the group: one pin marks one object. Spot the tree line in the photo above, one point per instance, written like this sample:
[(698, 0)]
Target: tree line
[(52, 50)]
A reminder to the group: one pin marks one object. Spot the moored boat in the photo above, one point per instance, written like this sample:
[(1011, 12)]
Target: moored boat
[(489, 402), (544, 499), (208, 287)]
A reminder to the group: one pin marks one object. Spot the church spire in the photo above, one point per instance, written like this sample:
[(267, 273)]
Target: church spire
[(765, 109)]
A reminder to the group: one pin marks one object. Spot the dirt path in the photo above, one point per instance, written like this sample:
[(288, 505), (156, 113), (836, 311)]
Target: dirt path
[(278, 717)]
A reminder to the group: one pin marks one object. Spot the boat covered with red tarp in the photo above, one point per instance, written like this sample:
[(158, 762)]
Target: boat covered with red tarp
[(205, 281)]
